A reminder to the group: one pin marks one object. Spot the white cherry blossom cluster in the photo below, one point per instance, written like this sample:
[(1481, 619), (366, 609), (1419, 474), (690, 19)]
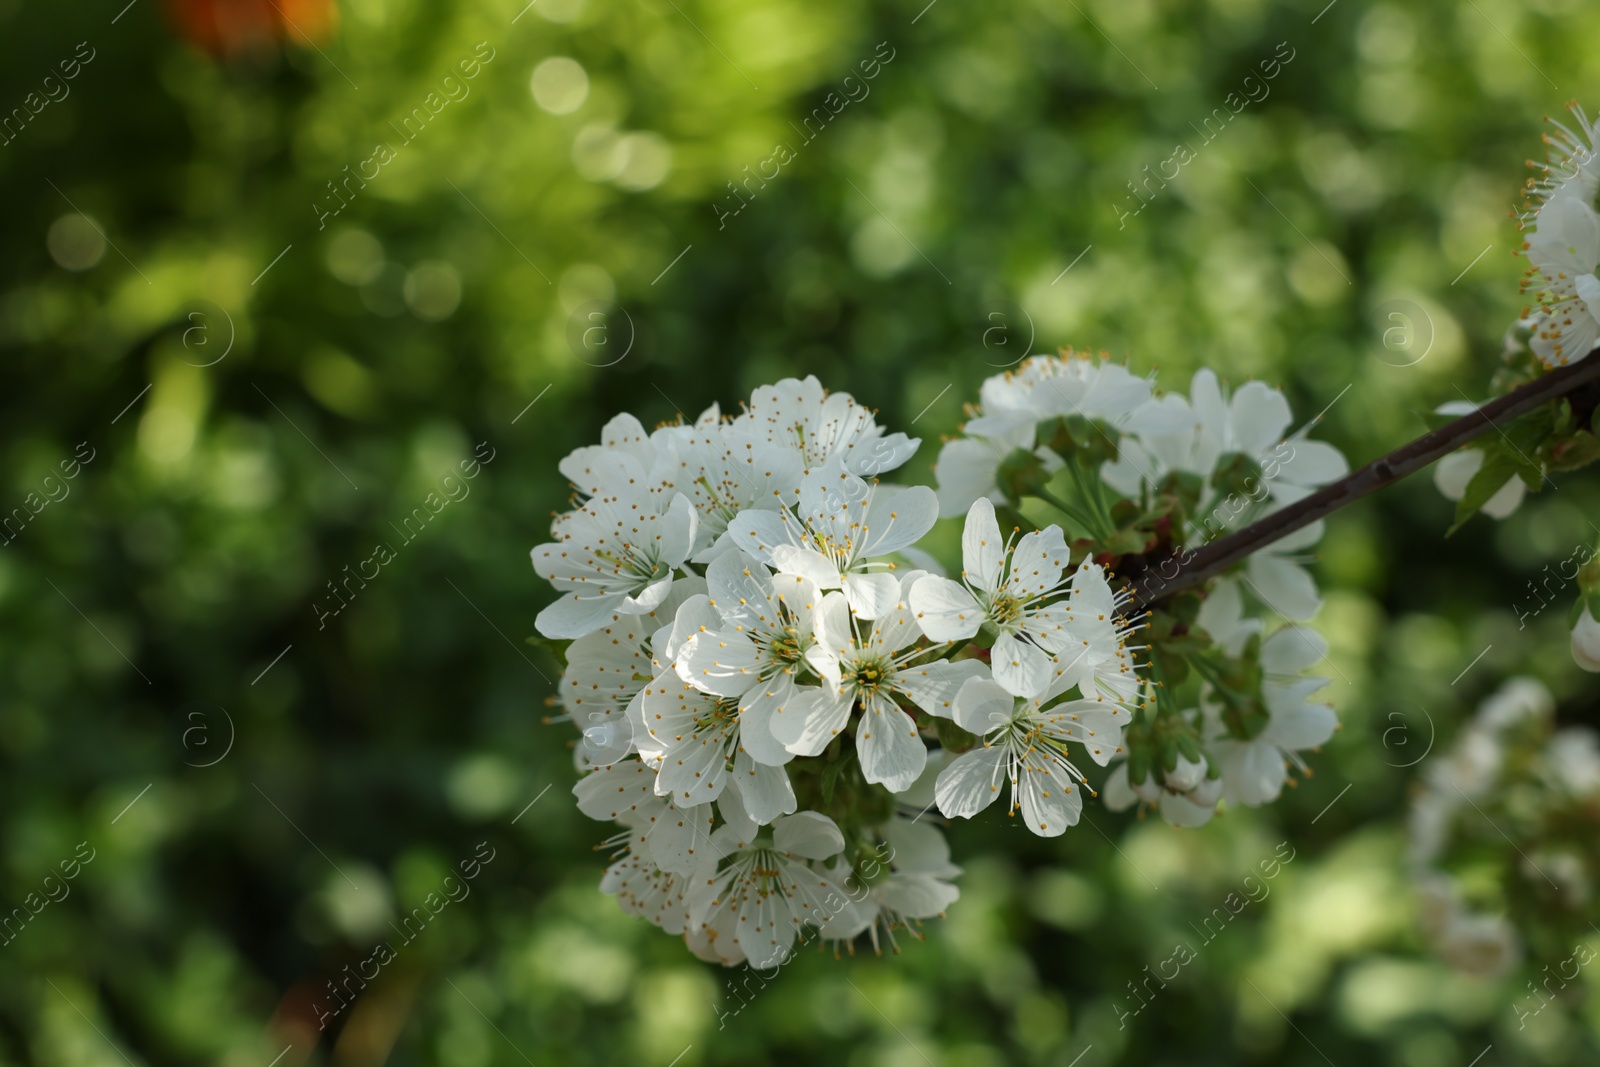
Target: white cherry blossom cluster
[(1206, 463), (768, 673), (1494, 473), (1510, 765)]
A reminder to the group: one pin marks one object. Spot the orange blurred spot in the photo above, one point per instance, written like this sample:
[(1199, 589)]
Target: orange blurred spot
[(229, 27)]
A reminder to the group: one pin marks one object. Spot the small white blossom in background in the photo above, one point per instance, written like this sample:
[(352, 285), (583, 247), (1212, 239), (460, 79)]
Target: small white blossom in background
[(1509, 766)]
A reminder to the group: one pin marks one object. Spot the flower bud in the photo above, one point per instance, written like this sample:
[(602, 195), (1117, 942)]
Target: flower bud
[(1586, 642)]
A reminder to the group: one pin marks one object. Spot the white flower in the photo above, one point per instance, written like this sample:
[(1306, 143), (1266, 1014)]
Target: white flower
[(1189, 799), (916, 887), (750, 900), (1471, 768), (1253, 771), (800, 414), (968, 467), (1005, 586), (841, 526), (627, 461), (1565, 251), (1172, 433), (1098, 661), (1041, 387), (678, 839), (1574, 757), (873, 672), (723, 472), (1428, 825), (642, 887), (764, 636), (606, 671), (1277, 578), (1573, 170), (615, 555), (1025, 742), (1222, 616), (1586, 642), (704, 741), (1518, 701)]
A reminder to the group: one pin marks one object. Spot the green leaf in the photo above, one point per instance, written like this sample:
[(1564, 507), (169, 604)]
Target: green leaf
[(1498, 469)]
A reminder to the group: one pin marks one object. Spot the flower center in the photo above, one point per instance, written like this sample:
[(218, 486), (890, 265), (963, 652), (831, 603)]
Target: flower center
[(872, 676), (1005, 609)]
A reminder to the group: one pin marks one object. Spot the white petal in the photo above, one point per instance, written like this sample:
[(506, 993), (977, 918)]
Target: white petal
[(761, 704), (966, 472), (574, 616), (1452, 473), (1038, 561), (617, 791), (1051, 800), (1292, 650), (982, 706), (809, 834), (891, 751), (945, 610), (972, 782), (811, 720), (723, 663), (1307, 726), (766, 790), (1019, 667), (1180, 811), (758, 532), (983, 549), (1286, 587), (920, 847), (1117, 794), (680, 838), (1313, 463), (1252, 773), (871, 595), (1260, 414), (933, 687), (898, 517), (1507, 500), (916, 896), (806, 563)]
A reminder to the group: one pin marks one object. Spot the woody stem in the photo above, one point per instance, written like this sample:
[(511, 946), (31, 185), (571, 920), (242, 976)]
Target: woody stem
[(1216, 557)]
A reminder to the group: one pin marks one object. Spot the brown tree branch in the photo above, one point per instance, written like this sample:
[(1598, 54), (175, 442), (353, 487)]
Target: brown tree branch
[(1212, 559)]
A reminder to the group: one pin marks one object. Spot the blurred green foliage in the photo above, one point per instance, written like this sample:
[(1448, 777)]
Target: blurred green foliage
[(964, 211)]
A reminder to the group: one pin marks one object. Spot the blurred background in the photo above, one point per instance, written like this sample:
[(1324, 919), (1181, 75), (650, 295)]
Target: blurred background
[(273, 268)]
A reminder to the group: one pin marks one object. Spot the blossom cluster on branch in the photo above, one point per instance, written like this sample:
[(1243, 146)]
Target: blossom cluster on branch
[(770, 672), (776, 681)]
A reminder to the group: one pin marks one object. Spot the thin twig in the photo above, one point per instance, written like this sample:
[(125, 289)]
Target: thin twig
[(1216, 557)]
